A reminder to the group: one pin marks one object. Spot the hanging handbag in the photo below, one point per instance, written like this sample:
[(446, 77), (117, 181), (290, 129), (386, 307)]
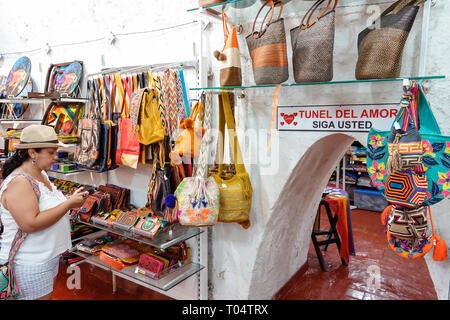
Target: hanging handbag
[(406, 188), (9, 288), (404, 142), (235, 189), (198, 197), (159, 186), (312, 45), (435, 159), (86, 154), (380, 46), (268, 49), (230, 68), (128, 150), (145, 117)]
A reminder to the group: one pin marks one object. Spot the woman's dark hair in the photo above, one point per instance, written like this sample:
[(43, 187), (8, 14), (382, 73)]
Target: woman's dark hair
[(19, 157)]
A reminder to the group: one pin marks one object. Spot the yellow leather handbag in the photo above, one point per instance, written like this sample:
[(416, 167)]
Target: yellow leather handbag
[(235, 189)]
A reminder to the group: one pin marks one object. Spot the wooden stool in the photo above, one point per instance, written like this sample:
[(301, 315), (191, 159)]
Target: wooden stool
[(332, 235)]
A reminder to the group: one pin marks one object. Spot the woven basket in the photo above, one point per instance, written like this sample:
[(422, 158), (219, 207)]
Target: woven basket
[(380, 49)]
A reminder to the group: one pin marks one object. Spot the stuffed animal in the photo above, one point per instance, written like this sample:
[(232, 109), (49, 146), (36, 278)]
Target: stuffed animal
[(188, 143)]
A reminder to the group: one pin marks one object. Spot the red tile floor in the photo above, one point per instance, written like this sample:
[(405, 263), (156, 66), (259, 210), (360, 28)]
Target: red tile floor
[(400, 279)]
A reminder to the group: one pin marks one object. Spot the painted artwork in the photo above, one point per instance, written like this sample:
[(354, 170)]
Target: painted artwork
[(65, 79), (18, 77)]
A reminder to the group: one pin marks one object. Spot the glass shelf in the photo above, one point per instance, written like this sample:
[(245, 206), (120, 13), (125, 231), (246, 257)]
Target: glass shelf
[(40, 100), (320, 83), (240, 11), (165, 283), (162, 241)]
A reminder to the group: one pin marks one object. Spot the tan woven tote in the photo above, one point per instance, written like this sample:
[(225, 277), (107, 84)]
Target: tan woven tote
[(380, 49)]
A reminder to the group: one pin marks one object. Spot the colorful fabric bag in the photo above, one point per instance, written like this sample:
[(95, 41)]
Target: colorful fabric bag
[(230, 69), (312, 45), (435, 159), (406, 188), (9, 288), (268, 49), (198, 197), (235, 189)]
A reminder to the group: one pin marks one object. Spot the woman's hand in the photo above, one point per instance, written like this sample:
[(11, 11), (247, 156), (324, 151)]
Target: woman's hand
[(77, 199)]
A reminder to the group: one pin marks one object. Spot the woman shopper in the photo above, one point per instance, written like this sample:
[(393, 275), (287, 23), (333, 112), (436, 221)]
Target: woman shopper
[(29, 201)]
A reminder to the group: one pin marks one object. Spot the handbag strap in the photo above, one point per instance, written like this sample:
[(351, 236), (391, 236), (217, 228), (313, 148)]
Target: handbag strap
[(401, 4), (315, 6), (226, 116), (262, 31), (202, 168), (120, 91), (19, 237)]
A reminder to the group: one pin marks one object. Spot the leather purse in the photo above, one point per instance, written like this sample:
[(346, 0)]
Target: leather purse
[(151, 265), (126, 220), (149, 226), (235, 189)]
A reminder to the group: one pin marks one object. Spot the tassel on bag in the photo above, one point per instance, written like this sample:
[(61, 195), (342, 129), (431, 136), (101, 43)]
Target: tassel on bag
[(440, 247)]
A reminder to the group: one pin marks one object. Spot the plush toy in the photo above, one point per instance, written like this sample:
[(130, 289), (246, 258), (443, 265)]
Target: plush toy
[(188, 143)]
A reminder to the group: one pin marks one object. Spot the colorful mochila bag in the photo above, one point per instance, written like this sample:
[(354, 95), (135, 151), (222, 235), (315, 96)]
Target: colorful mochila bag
[(9, 289), (435, 157), (406, 188), (408, 234), (198, 197)]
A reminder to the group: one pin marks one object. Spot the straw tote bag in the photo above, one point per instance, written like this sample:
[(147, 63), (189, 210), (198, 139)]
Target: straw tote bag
[(230, 69), (235, 189), (380, 47), (268, 49), (312, 45)]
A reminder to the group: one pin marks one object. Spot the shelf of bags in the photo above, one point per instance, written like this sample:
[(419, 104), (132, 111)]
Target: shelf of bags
[(246, 10), (166, 282), (320, 83), (162, 240)]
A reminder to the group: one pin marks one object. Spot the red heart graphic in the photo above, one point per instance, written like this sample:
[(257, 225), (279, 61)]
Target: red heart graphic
[(295, 123), (289, 118), (282, 114), (282, 123)]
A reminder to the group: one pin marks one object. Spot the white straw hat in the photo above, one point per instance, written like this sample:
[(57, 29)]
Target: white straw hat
[(38, 136)]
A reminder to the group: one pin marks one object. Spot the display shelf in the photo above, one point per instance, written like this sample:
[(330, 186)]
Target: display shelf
[(246, 10), (129, 273), (40, 100), (320, 83), (162, 241)]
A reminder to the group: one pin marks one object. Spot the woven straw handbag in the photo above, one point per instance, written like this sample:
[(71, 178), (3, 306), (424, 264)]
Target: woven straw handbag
[(312, 45), (268, 49), (380, 46), (235, 189), (198, 197)]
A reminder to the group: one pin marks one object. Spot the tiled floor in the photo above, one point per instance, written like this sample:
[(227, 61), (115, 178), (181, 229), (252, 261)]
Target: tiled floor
[(399, 278)]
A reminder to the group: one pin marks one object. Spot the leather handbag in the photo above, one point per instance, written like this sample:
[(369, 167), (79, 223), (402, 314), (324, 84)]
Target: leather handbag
[(145, 117), (406, 188), (380, 46), (128, 150), (235, 189), (405, 142), (159, 186), (198, 196), (86, 153), (268, 49), (230, 68), (313, 44)]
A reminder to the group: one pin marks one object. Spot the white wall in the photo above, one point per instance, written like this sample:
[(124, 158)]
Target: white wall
[(253, 263)]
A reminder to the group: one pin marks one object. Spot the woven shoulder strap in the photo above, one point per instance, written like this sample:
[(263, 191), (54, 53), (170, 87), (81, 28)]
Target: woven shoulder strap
[(20, 235)]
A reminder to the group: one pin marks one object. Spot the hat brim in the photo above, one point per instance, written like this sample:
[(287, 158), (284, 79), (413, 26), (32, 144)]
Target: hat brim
[(39, 145)]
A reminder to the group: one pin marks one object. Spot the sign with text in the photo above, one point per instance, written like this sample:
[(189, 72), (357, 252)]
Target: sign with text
[(355, 118)]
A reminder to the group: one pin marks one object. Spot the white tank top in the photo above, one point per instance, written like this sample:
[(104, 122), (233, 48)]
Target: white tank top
[(44, 245)]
